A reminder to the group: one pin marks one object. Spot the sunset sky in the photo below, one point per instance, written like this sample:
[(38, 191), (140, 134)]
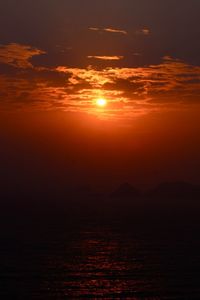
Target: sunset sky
[(58, 57)]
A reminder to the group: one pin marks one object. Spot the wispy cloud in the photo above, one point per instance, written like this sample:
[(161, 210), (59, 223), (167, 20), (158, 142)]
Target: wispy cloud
[(137, 54), (143, 31), (18, 55), (94, 28), (109, 29), (114, 30), (105, 57)]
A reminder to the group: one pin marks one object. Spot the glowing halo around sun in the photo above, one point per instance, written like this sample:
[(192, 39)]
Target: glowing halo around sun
[(101, 102)]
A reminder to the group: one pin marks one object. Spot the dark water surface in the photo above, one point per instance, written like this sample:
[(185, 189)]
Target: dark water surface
[(72, 257)]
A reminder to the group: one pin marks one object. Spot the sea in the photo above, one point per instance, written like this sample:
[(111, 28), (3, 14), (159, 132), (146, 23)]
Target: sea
[(95, 254)]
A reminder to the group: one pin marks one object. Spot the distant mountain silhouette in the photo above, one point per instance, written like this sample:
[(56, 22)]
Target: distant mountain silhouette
[(125, 190), (176, 190)]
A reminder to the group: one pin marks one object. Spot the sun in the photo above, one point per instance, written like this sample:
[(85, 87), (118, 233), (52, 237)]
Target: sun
[(101, 102)]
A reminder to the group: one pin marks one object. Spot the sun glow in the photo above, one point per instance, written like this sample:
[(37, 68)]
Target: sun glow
[(101, 102)]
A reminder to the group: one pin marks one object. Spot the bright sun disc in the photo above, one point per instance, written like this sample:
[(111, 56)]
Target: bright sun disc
[(101, 102)]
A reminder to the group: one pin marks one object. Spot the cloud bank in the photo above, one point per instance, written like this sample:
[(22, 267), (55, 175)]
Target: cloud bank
[(129, 91)]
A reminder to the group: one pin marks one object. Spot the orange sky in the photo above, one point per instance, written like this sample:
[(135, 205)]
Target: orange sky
[(75, 149)]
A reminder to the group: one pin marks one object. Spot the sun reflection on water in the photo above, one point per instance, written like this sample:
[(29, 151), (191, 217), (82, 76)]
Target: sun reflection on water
[(102, 266)]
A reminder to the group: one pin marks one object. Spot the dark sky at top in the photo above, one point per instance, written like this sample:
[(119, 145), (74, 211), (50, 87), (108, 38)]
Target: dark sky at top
[(61, 28)]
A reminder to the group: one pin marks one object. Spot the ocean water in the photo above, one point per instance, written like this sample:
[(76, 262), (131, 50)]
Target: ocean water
[(78, 257)]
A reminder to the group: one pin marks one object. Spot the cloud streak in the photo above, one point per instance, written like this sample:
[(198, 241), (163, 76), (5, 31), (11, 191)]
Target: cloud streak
[(105, 57), (109, 30), (113, 30)]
